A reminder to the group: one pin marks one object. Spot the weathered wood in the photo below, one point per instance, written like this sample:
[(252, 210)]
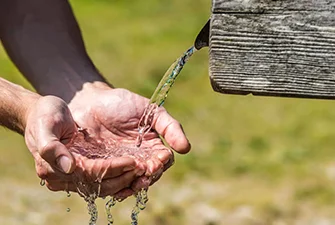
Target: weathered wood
[(279, 48), (270, 6)]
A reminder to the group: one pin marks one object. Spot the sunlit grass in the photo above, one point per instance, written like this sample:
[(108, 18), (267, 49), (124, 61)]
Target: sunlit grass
[(255, 160)]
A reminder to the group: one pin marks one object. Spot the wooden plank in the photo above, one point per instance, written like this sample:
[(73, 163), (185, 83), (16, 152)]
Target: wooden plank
[(278, 48), (270, 6)]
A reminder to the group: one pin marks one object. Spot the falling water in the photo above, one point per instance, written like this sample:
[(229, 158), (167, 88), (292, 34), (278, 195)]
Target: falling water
[(141, 203), (91, 148), (145, 124), (94, 149), (108, 208), (158, 97)]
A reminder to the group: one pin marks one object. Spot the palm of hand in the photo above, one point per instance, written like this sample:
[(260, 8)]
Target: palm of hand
[(114, 114)]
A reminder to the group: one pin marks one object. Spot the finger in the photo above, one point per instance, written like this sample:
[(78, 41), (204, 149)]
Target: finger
[(114, 167), (57, 185), (58, 156), (100, 169), (54, 126), (168, 164), (156, 177), (114, 185), (107, 187), (154, 165), (123, 194), (171, 131), (45, 171), (90, 170), (164, 155), (142, 182)]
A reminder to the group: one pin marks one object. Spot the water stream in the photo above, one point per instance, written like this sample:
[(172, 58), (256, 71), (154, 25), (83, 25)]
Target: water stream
[(91, 148), (145, 124), (141, 203), (158, 97), (108, 208)]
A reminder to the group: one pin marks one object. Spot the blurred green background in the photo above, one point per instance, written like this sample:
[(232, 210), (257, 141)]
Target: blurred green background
[(254, 160)]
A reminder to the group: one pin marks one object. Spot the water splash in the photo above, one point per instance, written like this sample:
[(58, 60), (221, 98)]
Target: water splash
[(94, 149), (89, 192), (158, 97), (92, 209), (83, 145)]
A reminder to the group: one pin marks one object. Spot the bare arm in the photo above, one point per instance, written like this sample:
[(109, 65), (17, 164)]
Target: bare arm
[(47, 125), (44, 41), (14, 102)]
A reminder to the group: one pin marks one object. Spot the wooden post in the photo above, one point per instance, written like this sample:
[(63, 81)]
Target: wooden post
[(273, 47)]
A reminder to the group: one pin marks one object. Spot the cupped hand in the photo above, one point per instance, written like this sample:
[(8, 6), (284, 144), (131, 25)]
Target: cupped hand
[(49, 128), (108, 113)]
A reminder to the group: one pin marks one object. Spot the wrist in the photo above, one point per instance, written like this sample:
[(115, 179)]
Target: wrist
[(15, 103), (30, 100), (88, 91), (67, 84)]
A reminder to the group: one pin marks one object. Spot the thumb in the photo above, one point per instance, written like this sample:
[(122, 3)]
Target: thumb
[(171, 130), (58, 156)]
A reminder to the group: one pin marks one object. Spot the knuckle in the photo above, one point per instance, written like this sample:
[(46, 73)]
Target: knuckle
[(44, 150), (47, 149)]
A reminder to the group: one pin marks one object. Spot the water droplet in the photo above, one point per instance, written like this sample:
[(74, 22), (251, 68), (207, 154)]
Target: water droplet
[(42, 182), (68, 210), (68, 194)]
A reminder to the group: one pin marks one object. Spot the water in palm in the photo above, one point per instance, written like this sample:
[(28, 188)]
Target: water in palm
[(92, 148), (89, 190)]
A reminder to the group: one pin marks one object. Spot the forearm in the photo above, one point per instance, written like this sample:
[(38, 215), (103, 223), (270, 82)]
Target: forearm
[(44, 41), (14, 104)]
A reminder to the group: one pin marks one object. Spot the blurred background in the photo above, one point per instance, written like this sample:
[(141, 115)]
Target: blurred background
[(254, 160)]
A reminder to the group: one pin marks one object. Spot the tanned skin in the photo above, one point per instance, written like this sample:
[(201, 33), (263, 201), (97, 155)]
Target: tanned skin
[(44, 41)]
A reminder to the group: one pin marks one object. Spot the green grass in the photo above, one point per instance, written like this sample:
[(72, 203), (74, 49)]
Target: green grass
[(255, 160)]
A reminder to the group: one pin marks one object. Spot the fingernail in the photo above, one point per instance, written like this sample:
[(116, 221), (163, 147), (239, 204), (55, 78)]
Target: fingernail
[(64, 164)]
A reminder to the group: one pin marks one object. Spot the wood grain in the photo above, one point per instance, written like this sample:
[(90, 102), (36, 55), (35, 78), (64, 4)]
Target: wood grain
[(271, 6), (278, 48)]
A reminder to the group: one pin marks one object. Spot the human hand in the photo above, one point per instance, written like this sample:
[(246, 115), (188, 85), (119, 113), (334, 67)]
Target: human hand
[(49, 128), (109, 113)]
